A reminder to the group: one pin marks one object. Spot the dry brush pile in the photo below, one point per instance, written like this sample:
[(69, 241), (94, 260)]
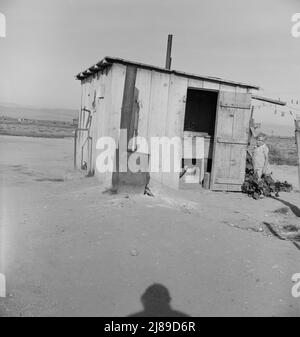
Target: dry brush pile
[(266, 186)]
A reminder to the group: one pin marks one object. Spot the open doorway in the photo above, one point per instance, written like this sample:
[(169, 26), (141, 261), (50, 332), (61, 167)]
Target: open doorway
[(200, 112), (199, 121)]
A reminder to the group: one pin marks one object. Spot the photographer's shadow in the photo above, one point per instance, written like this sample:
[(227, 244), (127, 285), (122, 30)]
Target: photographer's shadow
[(156, 302)]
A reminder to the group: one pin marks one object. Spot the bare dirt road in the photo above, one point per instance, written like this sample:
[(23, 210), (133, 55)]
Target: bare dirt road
[(68, 249)]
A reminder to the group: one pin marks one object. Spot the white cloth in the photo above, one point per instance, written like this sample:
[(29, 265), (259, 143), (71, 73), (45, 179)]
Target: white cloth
[(260, 160)]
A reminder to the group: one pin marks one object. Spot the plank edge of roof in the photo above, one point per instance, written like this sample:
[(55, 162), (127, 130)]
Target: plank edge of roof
[(108, 60)]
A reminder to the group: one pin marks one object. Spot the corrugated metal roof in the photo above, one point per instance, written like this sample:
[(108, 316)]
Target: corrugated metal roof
[(108, 61)]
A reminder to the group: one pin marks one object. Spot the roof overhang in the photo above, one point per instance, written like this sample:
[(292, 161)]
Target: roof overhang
[(269, 100), (108, 61)]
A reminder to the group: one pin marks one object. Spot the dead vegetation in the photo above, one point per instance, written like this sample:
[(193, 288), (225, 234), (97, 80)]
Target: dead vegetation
[(266, 186)]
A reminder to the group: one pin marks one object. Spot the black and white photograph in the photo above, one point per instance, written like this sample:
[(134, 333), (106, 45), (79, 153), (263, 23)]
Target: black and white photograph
[(150, 161)]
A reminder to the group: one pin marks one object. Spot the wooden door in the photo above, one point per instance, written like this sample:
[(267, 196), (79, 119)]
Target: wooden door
[(230, 141)]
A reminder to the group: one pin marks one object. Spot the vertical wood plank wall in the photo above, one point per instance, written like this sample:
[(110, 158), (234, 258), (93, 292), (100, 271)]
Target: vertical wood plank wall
[(128, 101), (83, 115), (102, 94), (174, 124), (161, 99), (110, 111), (229, 158)]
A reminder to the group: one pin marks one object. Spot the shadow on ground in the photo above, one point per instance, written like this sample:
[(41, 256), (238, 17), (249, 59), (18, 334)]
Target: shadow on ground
[(156, 302), (291, 206)]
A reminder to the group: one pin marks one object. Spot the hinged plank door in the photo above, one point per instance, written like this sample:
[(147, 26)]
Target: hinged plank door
[(230, 141)]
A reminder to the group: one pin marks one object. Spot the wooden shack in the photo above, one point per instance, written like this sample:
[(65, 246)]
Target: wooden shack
[(151, 101)]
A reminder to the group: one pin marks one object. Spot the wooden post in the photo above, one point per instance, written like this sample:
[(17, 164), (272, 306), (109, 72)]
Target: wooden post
[(75, 147), (75, 144), (169, 50), (297, 136), (251, 126)]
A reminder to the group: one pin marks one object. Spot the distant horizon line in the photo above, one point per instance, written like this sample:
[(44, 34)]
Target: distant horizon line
[(11, 105), (21, 105)]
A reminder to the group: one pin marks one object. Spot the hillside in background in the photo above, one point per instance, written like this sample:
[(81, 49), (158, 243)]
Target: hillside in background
[(19, 111), (278, 130)]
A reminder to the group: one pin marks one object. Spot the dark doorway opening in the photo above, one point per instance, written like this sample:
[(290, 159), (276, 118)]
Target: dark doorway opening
[(200, 112), (200, 118)]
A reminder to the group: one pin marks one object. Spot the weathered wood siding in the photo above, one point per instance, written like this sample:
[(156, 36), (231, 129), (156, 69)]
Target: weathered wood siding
[(102, 94), (82, 152), (230, 141), (162, 106), (110, 113), (161, 100)]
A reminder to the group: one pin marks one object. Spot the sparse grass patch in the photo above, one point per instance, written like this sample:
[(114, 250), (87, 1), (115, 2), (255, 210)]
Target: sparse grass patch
[(282, 150)]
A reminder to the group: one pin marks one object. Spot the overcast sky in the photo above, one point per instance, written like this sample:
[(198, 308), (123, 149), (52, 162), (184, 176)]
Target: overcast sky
[(49, 41)]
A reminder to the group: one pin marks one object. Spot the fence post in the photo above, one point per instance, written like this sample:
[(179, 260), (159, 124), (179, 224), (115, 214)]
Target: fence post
[(75, 148), (297, 136)]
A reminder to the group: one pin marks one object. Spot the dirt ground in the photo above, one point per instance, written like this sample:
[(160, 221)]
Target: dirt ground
[(67, 249)]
